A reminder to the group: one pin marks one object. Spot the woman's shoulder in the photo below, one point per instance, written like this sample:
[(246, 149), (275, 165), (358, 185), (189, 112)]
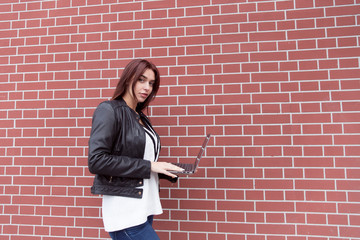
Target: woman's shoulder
[(113, 104)]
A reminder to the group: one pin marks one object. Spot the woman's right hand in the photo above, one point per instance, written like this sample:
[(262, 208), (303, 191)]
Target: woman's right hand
[(164, 168)]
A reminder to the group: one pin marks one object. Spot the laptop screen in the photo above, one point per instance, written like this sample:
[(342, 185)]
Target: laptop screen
[(203, 147)]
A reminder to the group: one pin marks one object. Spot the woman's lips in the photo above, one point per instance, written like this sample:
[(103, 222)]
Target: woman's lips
[(144, 95)]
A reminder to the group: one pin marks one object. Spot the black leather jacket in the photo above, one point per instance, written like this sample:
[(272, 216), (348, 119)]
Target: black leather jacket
[(116, 150)]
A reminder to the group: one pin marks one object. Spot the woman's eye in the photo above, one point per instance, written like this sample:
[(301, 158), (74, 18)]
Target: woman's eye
[(151, 83)]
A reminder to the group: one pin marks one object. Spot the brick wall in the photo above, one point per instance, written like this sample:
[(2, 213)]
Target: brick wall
[(276, 83)]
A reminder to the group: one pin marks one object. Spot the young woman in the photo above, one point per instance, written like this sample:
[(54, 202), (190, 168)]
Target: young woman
[(123, 153)]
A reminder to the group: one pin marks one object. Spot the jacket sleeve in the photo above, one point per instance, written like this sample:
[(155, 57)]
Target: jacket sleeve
[(100, 158), (170, 179)]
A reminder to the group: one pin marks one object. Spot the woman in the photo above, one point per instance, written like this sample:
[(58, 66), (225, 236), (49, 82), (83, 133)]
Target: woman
[(123, 153)]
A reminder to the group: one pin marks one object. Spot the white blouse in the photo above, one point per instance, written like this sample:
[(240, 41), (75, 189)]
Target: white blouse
[(124, 212)]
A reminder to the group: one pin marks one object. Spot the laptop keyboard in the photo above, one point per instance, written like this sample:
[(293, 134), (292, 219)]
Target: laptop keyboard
[(188, 167)]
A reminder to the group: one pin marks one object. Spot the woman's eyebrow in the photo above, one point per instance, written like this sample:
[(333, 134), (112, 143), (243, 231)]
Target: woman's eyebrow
[(146, 77)]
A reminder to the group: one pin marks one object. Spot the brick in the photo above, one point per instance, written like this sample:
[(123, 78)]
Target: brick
[(162, 4), (236, 227), (343, 52), (60, 142), (22, 123), (63, 12), (93, 46), (187, 3), (275, 229), (295, 218), (31, 68), (58, 221), (272, 140), (346, 117), (223, 120), (312, 140), (305, 34), (342, 10), (307, 54), (60, 122), (29, 142), (189, 60), (62, 48), (349, 63), (345, 95), (268, 56), (269, 77), (315, 184), (198, 204), (266, 16), (233, 205), (273, 184), (125, 7), (253, 173), (120, 26), (354, 220), (197, 20), (224, 58), (311, 118), (275, 196), (346, 139), (317, 230), (319, 3), (231, 78), (347, 162), (267, 36), (229, 18), (351, 128), (345, 21), (271, 162), (61, 66), (305, 13), (275, 206), (270, 98), (222, 99), (352, 151), (230, 38), (304, 4), (27, 220), (309, 75), (352, 232), (347, 185), (338, 219), (271, 119), (316, 207), (343, 31), (228, 183), (88, 222)]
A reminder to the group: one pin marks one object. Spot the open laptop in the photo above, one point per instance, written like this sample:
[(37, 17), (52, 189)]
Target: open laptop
[(190, 168)]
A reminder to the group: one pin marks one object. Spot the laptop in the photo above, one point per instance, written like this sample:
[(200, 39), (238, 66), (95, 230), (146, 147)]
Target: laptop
[(190, 168)]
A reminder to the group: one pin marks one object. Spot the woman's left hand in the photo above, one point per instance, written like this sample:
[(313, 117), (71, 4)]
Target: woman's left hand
[(164, 168)]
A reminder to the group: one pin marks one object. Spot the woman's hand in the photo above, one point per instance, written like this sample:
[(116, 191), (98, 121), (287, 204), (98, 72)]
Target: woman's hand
[(164, 168)]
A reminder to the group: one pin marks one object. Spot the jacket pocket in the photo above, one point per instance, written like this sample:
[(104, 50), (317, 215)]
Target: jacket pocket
[(127, 182), (120, 181)]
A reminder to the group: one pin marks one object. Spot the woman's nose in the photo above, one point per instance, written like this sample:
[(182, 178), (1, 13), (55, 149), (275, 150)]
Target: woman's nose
[(147, 86)]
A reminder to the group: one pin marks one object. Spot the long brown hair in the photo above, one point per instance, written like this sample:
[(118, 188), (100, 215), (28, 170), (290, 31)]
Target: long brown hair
[(131, 74)]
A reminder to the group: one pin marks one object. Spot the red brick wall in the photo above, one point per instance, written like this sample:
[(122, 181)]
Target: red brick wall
[(276, 83)]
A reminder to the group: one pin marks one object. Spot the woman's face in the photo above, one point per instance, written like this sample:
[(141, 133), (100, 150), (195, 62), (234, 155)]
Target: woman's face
[(144, 85)]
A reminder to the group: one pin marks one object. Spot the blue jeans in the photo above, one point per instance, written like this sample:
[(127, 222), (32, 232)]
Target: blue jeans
[(141, 232)]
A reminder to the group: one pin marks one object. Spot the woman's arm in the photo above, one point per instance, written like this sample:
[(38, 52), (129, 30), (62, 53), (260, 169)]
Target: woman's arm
[(102, 138)]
